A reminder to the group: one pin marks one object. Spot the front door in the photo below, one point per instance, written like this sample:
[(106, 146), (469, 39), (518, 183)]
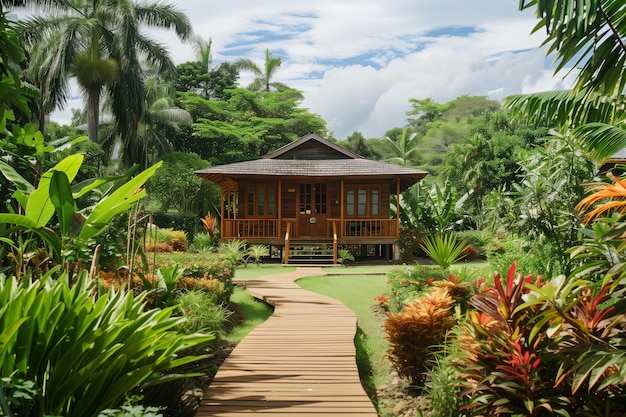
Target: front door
[(313, 209)]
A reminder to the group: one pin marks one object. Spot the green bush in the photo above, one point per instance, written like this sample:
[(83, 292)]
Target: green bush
[(409, 244), (84, 353), (187, 223), (203, 243), (479, 240), (503, 253), (443, 389), (407, 284), (205, 266), (203, 313)]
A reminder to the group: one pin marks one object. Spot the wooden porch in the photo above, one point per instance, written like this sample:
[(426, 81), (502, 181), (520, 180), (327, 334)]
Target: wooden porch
[(300, 362), (283, 233), (278, 231)]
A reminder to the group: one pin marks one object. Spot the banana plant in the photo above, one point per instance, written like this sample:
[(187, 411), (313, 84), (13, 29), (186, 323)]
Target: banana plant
[(54, 194)]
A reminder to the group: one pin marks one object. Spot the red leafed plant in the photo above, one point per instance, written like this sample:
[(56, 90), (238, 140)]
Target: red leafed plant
[(555, 348), (503, 370), (209, 222)]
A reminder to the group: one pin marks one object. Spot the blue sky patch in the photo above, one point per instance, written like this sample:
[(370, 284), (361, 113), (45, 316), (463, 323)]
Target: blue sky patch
[(453, 31)]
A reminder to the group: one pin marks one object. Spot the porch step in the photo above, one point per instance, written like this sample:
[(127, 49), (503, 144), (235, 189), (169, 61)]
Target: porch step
[(311, 254)]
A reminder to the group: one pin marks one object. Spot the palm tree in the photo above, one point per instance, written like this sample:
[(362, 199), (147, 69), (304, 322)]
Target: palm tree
[(203, 52), (590, 35), (160, 119), (100, 43), (263, 80), (404, 147)]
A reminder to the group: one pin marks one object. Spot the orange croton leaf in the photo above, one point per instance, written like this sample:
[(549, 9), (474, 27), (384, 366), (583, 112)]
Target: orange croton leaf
[(615, 192)]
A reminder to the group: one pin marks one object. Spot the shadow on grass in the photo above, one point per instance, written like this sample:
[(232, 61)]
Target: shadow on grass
[(365, 366)]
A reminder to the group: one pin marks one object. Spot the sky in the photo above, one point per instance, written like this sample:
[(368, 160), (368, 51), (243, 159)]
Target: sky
[(358, 62)]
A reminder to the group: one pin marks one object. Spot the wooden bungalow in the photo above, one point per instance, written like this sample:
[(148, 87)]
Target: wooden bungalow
[(309, 195)]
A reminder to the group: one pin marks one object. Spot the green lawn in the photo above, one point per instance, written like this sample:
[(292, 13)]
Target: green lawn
[(252, 312), (360, 269), (357, 292), (253, 271)]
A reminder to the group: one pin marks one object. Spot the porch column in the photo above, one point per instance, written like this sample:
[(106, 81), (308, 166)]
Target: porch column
[(223, 185), (398, 208), (341, 213), (279, 202)]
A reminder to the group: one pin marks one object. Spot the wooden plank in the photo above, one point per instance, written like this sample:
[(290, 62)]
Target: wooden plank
[(300, 362)]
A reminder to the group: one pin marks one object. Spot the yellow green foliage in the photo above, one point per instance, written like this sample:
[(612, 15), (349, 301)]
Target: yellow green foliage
[(417, 333)]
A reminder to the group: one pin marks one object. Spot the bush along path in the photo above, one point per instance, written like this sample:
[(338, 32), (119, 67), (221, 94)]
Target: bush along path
[(301, 361)]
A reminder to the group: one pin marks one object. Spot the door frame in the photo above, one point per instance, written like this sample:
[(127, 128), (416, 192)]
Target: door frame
[(312, 213)]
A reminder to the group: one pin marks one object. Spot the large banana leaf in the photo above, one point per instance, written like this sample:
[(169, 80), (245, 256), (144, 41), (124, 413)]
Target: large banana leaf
[(62, 200), (39, 207), (20, 222), (117, 202)]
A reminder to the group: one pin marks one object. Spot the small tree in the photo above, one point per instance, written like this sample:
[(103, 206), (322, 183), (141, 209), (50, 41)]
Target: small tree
[(176, 185)]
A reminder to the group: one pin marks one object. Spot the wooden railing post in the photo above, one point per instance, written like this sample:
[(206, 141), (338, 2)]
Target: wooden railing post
[(287, 243), (334, 242)]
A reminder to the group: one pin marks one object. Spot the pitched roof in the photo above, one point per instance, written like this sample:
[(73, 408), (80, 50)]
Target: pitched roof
[(342, 163), (302, 143)]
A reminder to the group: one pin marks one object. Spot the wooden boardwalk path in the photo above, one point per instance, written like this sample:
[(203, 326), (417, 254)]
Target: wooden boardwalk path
[(300, 362)]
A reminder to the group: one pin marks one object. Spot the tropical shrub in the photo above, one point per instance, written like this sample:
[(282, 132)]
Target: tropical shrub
[(477, 240), (256, 252), (203, 243), (165, 240), (203, 313), (233, 250), (201, 266), (417, 333), (176, 221), (344, 257), (117, 281), (164, 291), (406, 284), (443, 389), (84, 354), (178, 240), (501, 368), (445, 250), (62, 237), (209, 223), (409, 244), (212, 287), (529, 260), (543, 349)]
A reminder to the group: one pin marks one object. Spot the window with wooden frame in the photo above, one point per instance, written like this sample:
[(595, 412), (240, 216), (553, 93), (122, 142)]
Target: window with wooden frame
[(261, 200), (362, 201)]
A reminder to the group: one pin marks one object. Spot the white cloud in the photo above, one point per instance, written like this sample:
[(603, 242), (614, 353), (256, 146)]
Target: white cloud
[(358, 62)]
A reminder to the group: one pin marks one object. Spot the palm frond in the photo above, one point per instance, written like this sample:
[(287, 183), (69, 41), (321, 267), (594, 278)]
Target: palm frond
[(565, 107), (588, 36), (601, 140), (172, 115), (248, 65), (166, 16)]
